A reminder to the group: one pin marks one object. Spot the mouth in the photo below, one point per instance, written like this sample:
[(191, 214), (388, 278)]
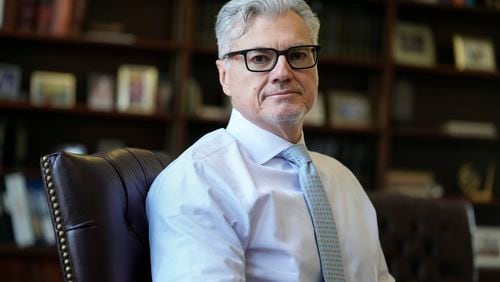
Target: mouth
[(281, 93)]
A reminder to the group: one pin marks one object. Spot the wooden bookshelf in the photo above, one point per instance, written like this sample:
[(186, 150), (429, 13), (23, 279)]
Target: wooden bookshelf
[(176, 37), (33, 264)]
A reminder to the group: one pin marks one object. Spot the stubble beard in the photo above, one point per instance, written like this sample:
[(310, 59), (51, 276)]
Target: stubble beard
[(287, 113)]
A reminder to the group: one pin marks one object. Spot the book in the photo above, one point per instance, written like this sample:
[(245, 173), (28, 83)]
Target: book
[(403, 101), (101, 91), (475, 129), (40, 213), (2, 11), (10, 81), (78, 16), (137, 89), (17, 203), (10, 11), (62, 17), (3, 137), (164, 93), (26, 15), (44, 15), (6, 235), (414, 183)]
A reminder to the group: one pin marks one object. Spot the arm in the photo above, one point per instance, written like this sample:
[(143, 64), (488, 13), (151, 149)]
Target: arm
[(192, 230)]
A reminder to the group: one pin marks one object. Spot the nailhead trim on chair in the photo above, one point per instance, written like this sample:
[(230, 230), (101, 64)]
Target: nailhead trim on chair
[(61, 235)]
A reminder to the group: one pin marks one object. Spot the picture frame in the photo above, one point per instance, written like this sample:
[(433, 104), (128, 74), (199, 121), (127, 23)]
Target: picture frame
[(349, 109), (101, 91), (316, 116), (10, 81), (487, 246), (414, 44), (473, 53), (55, 89), (137, 89)]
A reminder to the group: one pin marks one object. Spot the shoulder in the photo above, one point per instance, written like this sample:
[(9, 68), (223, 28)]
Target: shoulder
[(208, 145), (182, 170), (337, 176), (327, 164), (186, 179)]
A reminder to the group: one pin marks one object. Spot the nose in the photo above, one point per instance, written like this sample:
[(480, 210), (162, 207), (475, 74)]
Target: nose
[(282, 70)]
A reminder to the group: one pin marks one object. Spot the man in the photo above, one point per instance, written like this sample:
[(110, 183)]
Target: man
[(232, 207)]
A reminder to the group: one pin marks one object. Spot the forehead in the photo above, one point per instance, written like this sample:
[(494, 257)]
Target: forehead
[(278, 32)]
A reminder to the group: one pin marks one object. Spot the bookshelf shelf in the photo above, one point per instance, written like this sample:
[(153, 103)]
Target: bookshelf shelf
[(448, 71), (336, 130), (29, 252), (447, 9), (83, 111), (137, 43), (435, 133)]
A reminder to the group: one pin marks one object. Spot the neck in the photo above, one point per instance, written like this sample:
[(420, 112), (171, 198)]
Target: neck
[(290, 132)]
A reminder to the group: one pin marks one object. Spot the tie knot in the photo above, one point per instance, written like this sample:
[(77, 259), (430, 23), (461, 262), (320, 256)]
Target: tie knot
[(296, 154)]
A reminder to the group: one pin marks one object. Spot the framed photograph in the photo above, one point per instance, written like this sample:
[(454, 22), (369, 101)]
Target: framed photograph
[(137, 89), (316, 116), (351, 109), (10, 81), (474, 53), (487, 246), (164, 93), (101, 91), (414, 44), (54, 89)]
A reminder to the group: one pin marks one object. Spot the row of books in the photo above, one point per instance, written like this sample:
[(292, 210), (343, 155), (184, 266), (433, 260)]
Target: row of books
[(461, 3), (350, 31), (24, 213), (134, 88), (357, 155), (346, 30), (55, 17), (13, 142), (456, 3), (98, 20), (204, 32), (494, 4)]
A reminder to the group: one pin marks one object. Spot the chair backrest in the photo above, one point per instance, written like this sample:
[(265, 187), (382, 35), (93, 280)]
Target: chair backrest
[(426, 240), (97, 204)]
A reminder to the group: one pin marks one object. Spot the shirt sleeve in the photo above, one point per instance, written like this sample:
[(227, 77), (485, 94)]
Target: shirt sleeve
[(192, 229), (383, 272)]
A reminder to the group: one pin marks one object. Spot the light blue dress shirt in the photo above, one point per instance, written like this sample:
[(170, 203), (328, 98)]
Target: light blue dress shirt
[(228, 209)]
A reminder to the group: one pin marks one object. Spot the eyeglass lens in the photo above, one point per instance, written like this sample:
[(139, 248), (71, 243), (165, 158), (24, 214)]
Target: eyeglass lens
[(299, 57)]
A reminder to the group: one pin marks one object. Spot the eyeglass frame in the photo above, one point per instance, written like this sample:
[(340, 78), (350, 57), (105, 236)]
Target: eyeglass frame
[(278, 54)]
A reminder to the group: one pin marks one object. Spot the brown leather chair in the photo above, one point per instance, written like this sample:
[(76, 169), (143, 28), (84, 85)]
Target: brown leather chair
[(97, 204), (426, 240)]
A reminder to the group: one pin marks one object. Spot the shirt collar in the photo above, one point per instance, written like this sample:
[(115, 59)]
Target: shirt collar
[(261, 144)]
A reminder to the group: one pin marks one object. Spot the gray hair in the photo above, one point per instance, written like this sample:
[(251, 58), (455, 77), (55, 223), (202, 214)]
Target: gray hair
[(237, 12)]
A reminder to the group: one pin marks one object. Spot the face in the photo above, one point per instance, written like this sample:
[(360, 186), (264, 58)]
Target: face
[(276, 100)]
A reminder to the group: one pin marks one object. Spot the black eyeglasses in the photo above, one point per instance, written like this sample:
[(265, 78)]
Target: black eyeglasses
[(265, 59)]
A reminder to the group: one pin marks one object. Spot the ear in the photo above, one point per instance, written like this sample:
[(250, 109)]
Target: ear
[(222, 67)]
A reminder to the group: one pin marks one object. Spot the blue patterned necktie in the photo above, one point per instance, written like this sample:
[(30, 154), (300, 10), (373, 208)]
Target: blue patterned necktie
[(320, 211)]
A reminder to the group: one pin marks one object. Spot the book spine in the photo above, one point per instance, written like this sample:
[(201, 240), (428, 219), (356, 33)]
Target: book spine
[(26, 15), (44, 16), (78, 15), (61, 24)]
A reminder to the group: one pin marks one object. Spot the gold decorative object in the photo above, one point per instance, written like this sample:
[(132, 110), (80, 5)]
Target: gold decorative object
[(470, 181)]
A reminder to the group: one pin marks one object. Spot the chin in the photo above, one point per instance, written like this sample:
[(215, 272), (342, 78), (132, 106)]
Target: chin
[(289, 117)]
